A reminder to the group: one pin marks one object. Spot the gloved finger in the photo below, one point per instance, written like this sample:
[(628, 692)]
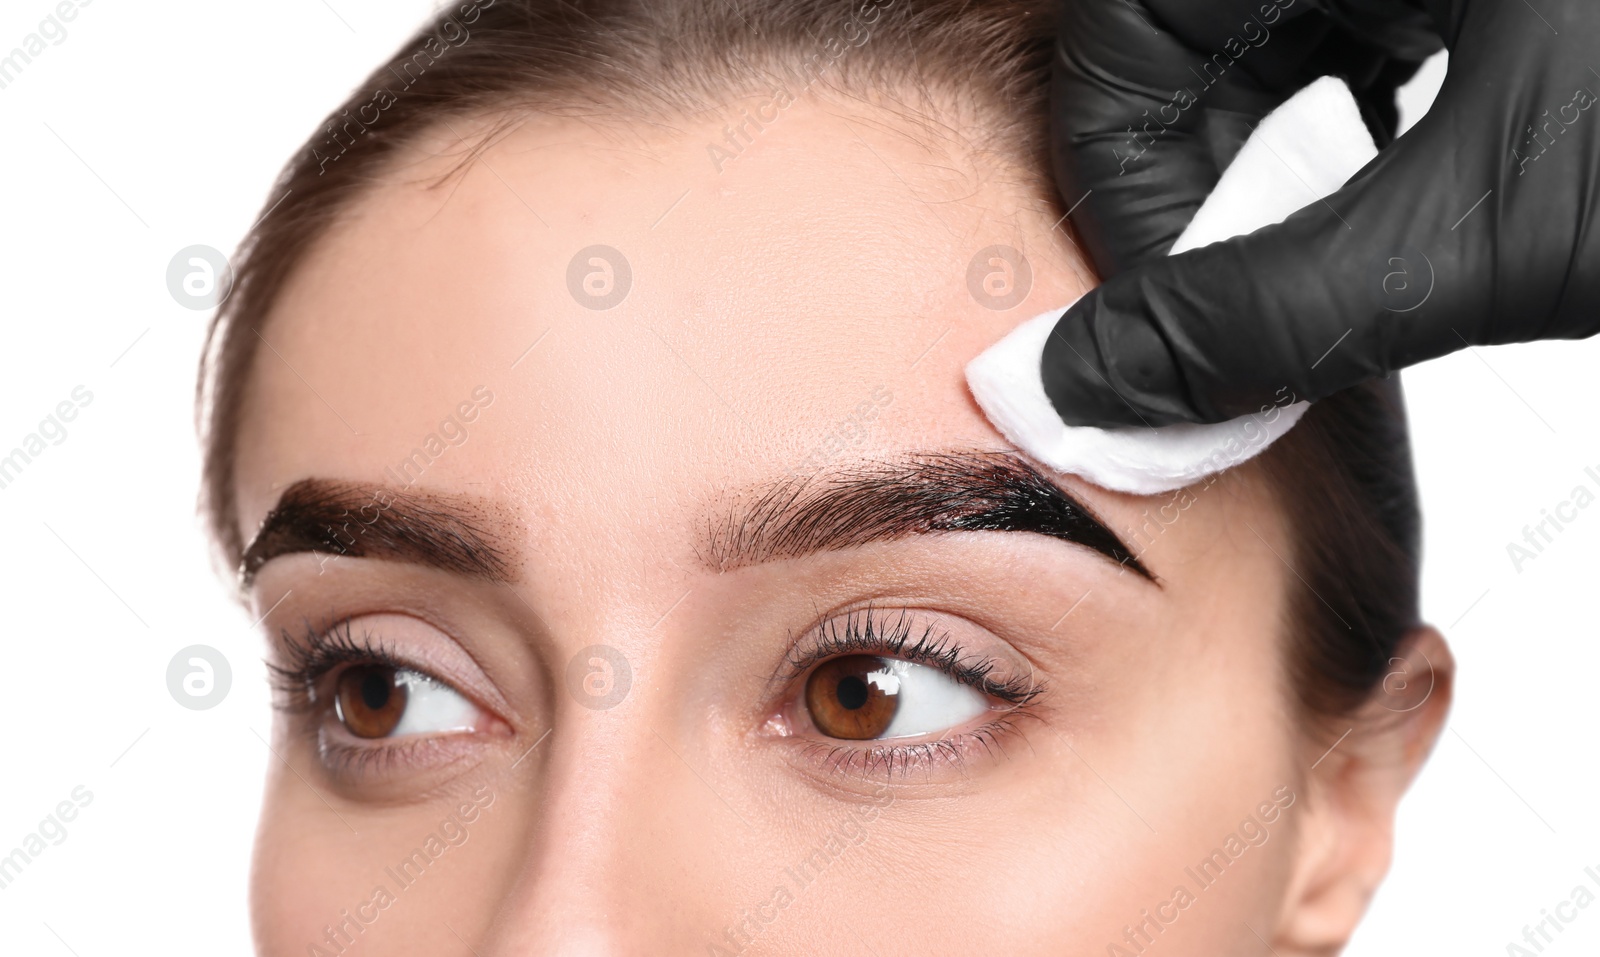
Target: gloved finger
[(1369, 280), (1141, 125), (1413, 259)]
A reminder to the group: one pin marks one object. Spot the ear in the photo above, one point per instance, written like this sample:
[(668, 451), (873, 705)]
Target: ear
[(1347, 830)]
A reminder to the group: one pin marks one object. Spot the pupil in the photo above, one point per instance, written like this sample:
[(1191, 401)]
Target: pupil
[(852, 692), (375, 687)]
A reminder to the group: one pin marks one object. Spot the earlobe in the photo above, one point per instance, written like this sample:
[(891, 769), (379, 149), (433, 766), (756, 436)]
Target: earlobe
[(1353, 792)]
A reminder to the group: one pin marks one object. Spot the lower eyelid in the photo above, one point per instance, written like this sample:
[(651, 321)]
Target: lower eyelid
[(362, 763), (884, 759), (355, 765)]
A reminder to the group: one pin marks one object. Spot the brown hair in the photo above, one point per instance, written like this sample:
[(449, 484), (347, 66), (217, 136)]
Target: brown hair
[(1343, 474)]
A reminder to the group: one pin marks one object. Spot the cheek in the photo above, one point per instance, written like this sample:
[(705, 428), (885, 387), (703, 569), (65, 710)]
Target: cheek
[(311, 875), (1066, 855), (309, 871), (293, 879)]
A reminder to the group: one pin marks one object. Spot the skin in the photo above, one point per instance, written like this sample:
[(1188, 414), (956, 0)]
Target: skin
[(825, 266)]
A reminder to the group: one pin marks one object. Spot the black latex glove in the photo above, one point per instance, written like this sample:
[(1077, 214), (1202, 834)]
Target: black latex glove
[(1476, 227)]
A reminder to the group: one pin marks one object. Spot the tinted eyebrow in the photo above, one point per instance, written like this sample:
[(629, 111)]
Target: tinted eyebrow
[(882, 501), (448, 532)]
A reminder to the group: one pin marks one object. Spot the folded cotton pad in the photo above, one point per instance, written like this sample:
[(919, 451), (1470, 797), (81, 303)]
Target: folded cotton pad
[(1300, 153)]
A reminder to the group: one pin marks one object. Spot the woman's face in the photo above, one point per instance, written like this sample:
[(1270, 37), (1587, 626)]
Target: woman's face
[(717, 620)]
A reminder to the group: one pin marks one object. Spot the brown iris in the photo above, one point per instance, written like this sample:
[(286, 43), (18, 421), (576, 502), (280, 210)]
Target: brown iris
[(846, 702), (371, 700)]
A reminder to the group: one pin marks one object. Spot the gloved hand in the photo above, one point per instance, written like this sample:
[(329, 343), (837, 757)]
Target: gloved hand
[(1476, 227)]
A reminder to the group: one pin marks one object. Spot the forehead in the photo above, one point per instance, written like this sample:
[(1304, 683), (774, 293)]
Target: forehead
[(611, 326)]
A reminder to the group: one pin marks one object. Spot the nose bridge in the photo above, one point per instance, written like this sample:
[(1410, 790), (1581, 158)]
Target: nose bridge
[(620, 833), (619, 819), (588, 832)]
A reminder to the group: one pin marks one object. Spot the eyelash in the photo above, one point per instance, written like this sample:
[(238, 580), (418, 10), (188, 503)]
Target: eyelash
[(318, 653), (869, 631)]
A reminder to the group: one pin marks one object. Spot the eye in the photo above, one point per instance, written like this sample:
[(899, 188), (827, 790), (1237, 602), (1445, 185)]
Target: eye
[(381, 701), (862, 697)]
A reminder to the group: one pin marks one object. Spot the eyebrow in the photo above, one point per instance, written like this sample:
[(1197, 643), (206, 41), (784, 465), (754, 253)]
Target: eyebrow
[(345, 519), (921, 494), (795, 516)]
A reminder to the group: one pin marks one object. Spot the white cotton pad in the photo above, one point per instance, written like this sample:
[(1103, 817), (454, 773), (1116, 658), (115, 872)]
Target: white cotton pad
[(1301, 152)]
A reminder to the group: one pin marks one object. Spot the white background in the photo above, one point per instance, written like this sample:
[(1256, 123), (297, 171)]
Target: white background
[(155, 126)]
